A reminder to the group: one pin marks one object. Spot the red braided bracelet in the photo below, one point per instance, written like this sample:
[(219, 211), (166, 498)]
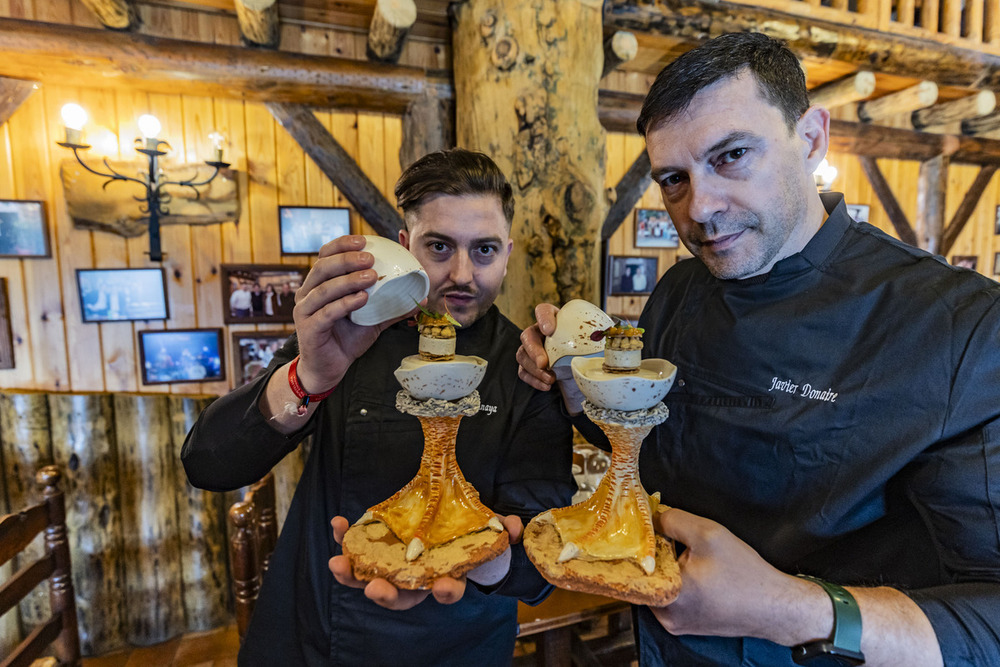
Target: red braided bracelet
[(300, 393)]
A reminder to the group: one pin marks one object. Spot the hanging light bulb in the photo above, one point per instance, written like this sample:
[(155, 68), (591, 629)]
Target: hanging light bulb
[(74, 118), (218, 140), (149, 127)]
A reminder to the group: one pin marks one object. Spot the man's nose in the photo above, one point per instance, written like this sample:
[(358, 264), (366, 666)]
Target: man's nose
[(460, 269), (705, 199)]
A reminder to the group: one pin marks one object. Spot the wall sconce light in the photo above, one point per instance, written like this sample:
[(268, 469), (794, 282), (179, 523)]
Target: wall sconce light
[(824, 175), (74, 118)]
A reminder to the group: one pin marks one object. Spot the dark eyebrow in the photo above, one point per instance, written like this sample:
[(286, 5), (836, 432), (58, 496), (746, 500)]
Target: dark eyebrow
[(437, 236), (733, 137)]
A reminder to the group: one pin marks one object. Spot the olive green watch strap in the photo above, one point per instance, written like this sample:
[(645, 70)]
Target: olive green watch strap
[(846, 616)]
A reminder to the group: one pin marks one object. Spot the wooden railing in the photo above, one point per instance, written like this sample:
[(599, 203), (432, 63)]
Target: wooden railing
[(969, 23)]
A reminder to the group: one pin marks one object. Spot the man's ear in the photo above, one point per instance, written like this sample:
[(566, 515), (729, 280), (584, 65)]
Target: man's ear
[(813, 129), (404, 238), (510, 248)]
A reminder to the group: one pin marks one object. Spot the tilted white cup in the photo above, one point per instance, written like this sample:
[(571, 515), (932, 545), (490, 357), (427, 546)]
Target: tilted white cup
[(402, 283)]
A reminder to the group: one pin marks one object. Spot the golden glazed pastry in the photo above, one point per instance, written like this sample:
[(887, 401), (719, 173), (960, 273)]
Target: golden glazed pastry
[(437, 336), (622, 349)]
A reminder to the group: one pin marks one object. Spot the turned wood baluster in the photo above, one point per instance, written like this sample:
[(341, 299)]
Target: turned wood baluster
[(61, 593)]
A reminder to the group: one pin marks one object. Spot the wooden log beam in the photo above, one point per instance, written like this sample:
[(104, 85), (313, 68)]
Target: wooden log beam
[(391, 23), (114, 14), (628, 192), (982, 125), (66, 55), (909, 99), (13, 93), (965, 209), (696, 21), (619, 48), (843, 91), (259, 22), (973, 106), (428, 126), (884, 193), (932, 185), (339, 167)]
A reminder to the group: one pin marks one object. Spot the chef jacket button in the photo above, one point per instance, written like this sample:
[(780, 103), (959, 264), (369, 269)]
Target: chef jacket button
[(681, 383), (364, 411)]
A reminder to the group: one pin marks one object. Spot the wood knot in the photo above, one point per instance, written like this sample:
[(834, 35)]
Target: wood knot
[(578, 200), (487, 24), (504, 53)]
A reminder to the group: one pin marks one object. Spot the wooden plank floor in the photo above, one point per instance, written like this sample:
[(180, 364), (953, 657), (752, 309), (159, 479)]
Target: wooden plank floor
[(215, 648)]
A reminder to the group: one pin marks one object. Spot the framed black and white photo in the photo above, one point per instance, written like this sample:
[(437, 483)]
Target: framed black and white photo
[(181, 355), (304, 229), (121, 295), (965, 261), (630, 276), (6, 333), (260, 293), (996, 264), (253, 351), (858, 212), (23, 229), (654, 229), (996, 221)]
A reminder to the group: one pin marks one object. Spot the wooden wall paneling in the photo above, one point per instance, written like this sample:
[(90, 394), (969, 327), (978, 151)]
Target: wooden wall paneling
[(22, 375), (85, 448), (344, 128), (148, 478), (393, 139), (202, 529), (34, 179), (319, 188), (53, 11), (206, 240), (263, 183), (371, 154), (229, 115), (27, 446), (614, 168), (81, 16)]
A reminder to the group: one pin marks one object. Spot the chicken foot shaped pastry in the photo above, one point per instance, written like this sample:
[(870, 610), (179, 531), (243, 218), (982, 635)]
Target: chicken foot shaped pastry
[(435, 525), (606, 543)]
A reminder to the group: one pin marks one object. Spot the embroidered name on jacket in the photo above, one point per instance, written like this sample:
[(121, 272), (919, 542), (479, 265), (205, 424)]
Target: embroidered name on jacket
[(488, 409), (804, 391)]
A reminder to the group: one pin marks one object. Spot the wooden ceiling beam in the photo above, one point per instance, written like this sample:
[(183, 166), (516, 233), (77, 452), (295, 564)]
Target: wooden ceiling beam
[(338, 165), (696, 21), (114, 14), (259, 22), (851, 88), (391, 23), (70, 55), (13, 93), (973, 106), (619, 48), (920, 96)]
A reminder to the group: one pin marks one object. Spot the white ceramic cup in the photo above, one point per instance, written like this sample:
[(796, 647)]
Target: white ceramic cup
[(402, 283)]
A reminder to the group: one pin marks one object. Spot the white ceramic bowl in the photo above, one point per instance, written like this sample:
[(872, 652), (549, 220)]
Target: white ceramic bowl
[(575, 322), (620, 391), (401, 284), (446, 380)]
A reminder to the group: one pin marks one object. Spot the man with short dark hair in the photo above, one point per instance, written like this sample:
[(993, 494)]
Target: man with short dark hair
[(516, 451), (836, 411)]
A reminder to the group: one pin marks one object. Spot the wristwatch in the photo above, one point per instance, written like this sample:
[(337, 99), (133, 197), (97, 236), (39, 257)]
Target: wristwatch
[(844, 645)]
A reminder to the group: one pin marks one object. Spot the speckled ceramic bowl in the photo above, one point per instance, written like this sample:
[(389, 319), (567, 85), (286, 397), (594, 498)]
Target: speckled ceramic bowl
[(575, 322), (446, 380), (402, 283), (619, 391)]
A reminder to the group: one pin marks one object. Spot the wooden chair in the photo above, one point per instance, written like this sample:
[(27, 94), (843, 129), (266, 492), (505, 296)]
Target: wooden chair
[(252, 539), (16, 532)]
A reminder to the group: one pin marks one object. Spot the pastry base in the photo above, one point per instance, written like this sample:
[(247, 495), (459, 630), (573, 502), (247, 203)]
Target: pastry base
[(621, 579), (375, 552)]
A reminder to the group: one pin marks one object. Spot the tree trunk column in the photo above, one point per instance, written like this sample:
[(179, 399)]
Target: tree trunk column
[(526, 81)]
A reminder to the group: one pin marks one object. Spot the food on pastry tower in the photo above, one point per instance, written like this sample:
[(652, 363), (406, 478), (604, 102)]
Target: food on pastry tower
[(437, 336), (622, 349)]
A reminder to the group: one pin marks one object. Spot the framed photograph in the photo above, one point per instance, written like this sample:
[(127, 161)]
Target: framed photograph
[(260, 293), (996, 264), (996, 221), (858, 212), (23, 230), (121, 295), (304, 229), (6, 334), (654, 229), (631, 276), (181, 355), (965, 261), (252, 352)]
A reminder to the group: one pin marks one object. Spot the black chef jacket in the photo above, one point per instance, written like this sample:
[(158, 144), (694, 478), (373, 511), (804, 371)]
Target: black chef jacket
[(516, 452), (840, 414)]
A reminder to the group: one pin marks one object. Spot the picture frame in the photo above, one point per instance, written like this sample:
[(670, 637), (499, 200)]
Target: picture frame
[(6, 332), (274, 300), (168, 356), (654, 229), (996, 264), (996, 222), (965, 261), (304, 229), (122, 295), (253, 351), (24, 229), (858, 212), (631, 275)]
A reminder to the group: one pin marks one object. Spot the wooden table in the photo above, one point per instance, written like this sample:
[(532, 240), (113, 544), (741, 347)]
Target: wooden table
[(554, 618)]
